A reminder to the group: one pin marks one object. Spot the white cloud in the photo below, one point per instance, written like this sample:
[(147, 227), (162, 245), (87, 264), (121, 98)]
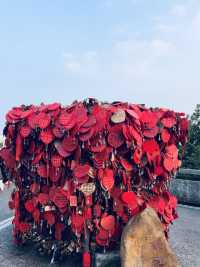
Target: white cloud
[(73, 66), (196, 25), (84, 64), (162, 70), (179, 10), (134, 1), (108, 3), (164, 28), (162, 47)]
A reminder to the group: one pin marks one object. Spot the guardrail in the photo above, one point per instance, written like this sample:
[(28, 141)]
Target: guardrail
[(186, 186), (189, 171)]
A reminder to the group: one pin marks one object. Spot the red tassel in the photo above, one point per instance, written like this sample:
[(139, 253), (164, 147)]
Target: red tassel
[(86, 259), (19, 147)]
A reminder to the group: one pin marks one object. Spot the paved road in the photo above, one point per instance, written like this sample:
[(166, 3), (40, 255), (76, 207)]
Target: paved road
[(5, 212), (184, 237)]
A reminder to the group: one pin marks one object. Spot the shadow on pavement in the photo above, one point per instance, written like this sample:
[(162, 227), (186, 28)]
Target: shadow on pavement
[(184, 238)]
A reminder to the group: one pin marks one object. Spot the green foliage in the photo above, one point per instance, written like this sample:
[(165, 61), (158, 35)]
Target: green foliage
[(192, 150)]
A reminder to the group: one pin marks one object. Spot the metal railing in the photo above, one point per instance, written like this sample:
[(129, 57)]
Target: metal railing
[(188, 174), (189, 171)]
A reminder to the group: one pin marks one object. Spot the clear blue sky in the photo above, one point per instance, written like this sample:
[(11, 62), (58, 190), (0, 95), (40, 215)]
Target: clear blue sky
[(135, 50)]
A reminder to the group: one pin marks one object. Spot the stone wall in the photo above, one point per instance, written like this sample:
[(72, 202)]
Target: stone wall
[(187, 191)]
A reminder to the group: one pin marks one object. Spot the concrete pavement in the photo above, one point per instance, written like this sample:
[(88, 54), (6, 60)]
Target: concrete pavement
[(5, 212), (184, 238)]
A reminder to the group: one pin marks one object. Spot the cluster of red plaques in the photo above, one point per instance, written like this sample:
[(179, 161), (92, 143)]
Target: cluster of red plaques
[(81, 171)]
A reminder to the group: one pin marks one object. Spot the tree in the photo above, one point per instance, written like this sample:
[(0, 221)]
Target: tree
[(192, 150)]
